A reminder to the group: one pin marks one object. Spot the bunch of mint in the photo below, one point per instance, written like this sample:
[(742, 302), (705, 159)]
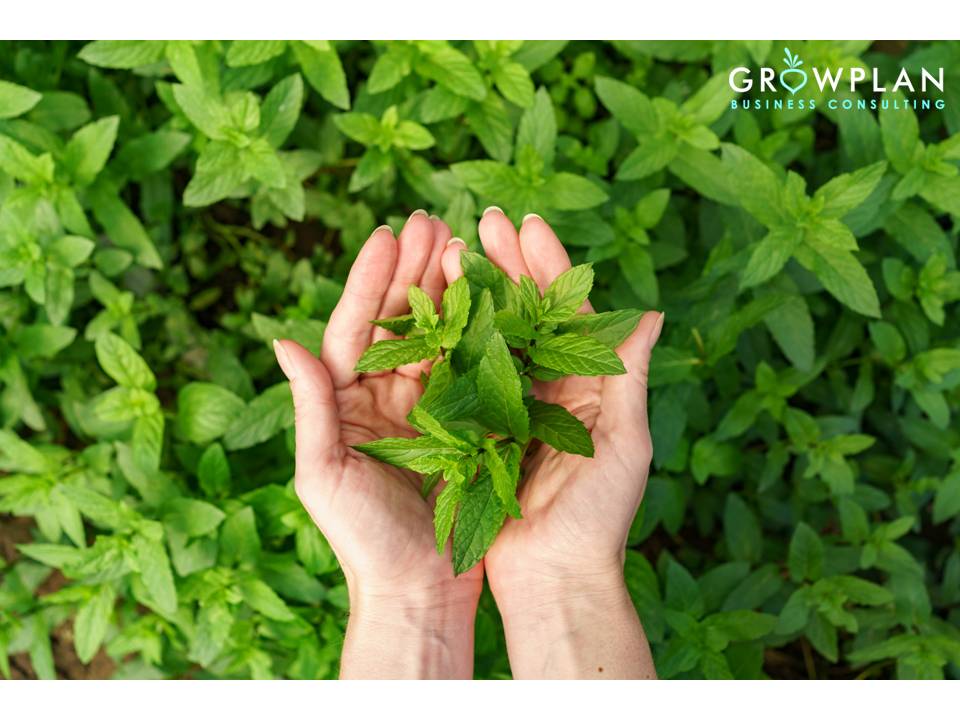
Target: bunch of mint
[(477, 417)]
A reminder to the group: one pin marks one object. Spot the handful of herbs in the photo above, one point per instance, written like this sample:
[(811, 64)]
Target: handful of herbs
[(478, 417)]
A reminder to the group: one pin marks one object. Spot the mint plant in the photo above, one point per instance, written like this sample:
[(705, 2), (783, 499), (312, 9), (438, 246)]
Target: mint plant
[(478, 417)]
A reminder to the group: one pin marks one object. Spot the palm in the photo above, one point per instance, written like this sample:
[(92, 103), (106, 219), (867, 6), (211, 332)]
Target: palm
[(576, 510), (572, 506), (379, 501), (372, 514)]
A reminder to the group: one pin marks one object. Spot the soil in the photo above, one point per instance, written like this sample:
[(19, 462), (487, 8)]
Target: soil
[(13, 531)]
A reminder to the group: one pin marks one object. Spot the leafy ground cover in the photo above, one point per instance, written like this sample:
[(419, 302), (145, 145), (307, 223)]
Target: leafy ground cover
[(168, 208)]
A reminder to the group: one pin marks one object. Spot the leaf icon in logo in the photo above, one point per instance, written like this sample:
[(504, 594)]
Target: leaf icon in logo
[(793, 63)]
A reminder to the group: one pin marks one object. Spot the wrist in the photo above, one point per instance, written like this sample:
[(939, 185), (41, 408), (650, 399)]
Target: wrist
[(567, 627), (413, 632), (519, 588)]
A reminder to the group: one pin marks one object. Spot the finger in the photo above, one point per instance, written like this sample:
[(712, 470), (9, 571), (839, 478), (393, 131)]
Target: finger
[(543, 253), (315, 407), (452, 269), (623, 402), (414, 244), (432, 281), (349, 330), (501, 243)]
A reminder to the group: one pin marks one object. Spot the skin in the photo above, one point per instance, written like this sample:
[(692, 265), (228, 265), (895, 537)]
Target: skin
[(557, 574)]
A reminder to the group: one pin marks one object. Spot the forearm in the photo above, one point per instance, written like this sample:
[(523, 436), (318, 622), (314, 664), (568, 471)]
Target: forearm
[(409, 638), (575, 629)]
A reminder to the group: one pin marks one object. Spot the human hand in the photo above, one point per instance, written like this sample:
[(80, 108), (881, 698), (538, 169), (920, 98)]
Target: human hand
[(562, 563), (404, 597)]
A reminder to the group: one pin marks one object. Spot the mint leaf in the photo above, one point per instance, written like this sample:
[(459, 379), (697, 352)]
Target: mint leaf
[(566, 294), (422, 307), (122, 363), (500, 391), (92, 621), (398, 324), (456, 311), (504, 479), (480, 518), (610, 328), (423, 454), (265, 416), (390, 354), (445, 510), (423, 421), (559, 428), (770, 255), (571, 354), (483, 274)]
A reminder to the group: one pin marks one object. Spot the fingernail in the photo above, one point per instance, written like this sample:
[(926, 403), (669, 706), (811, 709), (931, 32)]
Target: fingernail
[(417, 212), (492, 208), (529, 216), (382, 227), (283, 359), (455, 240), (434, 217), (655, 333)]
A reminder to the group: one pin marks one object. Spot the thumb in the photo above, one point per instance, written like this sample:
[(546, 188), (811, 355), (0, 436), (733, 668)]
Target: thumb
[(315, 405), (624, 401)]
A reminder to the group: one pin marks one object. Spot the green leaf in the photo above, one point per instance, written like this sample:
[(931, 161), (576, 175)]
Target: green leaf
[(844, 277), (556, 426), (610, 328), (122, 363), (422, 454), (565, 191), (946, 503), (571, 354), (444, 513), (566, 294), (805, 558), (628, 105), (156, 573), (254, 52), (845, 192), (122, 54), (206, 112), (89, 148), (424, 311), (123, 227), (420, 419), (213, 471), (390, 354), (479, 521), (280, 110), (205, 411), (514, 83), (456, 311), (452, 69), (505, 477), (501, 394), (16, 100), (770, 255), (262, 598), (741, 530), (324, 72), (756, 187), (538, 127), (92, 621), (265, 416), (398, 324)]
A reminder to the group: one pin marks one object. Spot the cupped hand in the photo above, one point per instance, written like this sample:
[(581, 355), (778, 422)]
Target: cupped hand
[(372, 514), (577, 511)]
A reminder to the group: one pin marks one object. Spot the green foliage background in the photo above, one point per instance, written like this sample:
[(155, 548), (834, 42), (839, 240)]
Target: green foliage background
[(166, 209)]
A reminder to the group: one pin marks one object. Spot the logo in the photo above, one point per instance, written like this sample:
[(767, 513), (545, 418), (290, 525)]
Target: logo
[(774, 90), (793, 67)]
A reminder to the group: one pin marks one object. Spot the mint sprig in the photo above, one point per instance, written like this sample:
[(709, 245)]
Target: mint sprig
[(477, 417)]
